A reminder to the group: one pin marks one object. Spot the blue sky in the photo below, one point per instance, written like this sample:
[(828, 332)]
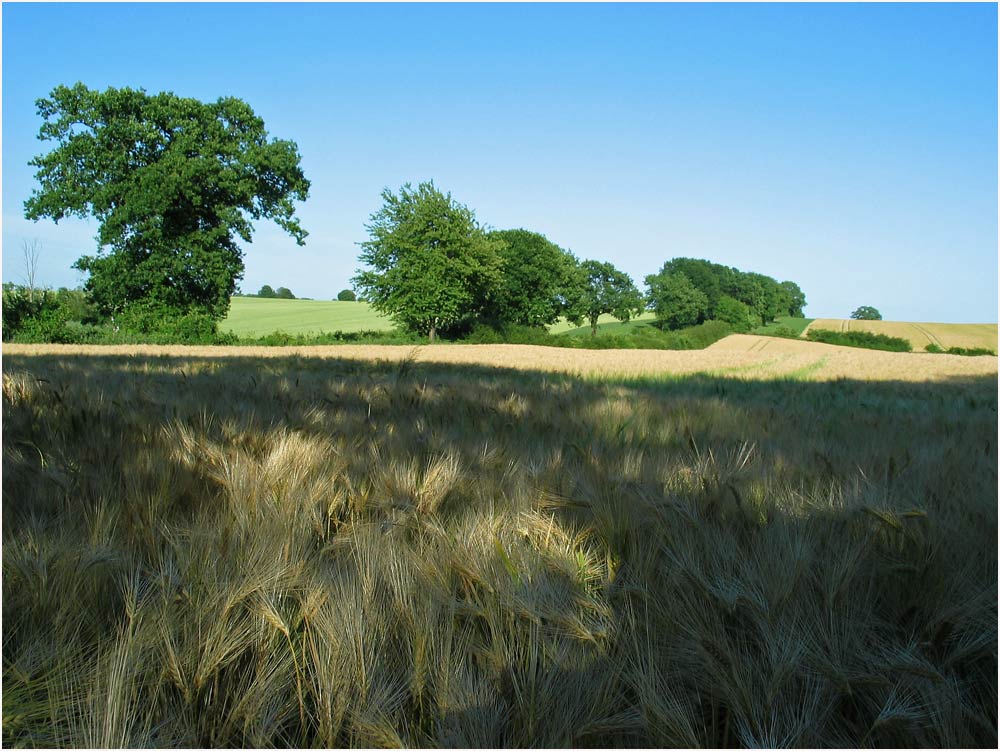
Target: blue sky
[(850, 148)]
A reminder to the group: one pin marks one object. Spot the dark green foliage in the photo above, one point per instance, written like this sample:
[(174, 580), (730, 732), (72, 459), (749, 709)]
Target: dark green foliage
[(599, 288), (173, 182), (192, 327), (33, 316), (967, 351), (283, 293), (677, 302), (863, 339), (782, 332), (796, 299), (78, 306), (866, 313), (266, 291), (537, 279), (638, 337), (346, 295), (766, 298), (736, 313), (282, 339), (432, 265)]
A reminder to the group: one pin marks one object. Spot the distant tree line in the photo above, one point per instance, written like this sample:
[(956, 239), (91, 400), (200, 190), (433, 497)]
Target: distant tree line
[(435, 270), (282, 293), (198, 174)]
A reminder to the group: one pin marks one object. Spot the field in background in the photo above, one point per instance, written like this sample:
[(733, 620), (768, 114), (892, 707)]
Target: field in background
[(606, 324), (256, 316), (797, 325), (944, 335), (740, 355), (294, 550)]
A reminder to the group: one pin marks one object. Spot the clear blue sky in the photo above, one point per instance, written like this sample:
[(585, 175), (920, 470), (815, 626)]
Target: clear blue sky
[(850, 148)]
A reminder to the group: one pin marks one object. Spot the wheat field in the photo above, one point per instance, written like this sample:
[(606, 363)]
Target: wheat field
[(743, 355), (944, 335), (312, 550)]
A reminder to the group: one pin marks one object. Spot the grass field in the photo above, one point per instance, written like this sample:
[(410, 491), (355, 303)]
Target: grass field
[(255, 316), (320, 548), (798, 325), (944, 335)]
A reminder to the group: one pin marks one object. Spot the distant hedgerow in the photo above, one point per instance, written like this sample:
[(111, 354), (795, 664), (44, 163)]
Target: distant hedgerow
[(862, 339)]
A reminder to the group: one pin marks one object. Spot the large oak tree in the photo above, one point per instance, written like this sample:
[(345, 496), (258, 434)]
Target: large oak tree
[(173, 182)]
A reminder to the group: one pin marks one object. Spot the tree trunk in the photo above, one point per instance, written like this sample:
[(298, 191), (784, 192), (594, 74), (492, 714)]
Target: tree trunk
[(593, 327), (433, 333)]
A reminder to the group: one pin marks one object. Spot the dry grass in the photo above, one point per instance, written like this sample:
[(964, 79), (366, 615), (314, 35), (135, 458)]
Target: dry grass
[(740, 355), (310, 551), (944, 335)]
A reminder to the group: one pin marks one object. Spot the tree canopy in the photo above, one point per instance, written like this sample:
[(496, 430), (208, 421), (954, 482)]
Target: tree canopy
[(535, 285), (346, 295), (174, 184), (599, 289), (432, 265), (763, 297), (866, 313), (675, 299)]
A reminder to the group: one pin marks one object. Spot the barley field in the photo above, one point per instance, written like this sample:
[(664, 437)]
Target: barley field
[(501, 548), (944, 335)]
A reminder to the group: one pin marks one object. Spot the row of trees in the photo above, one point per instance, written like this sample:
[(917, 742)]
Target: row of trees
[(175, 183), (435, 269), (282, 293)]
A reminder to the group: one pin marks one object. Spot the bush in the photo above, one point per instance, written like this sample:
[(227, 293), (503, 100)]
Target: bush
[(159, 325), (965, 351), (783, 332), (509, 334), (737, 314), (346, 295), (863, 339)]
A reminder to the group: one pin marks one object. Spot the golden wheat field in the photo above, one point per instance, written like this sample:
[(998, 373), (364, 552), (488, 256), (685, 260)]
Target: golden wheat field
[(737, 355), (478, 547), (944, 335)]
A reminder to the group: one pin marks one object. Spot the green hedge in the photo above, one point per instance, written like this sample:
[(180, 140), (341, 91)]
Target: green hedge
[(863, 339)]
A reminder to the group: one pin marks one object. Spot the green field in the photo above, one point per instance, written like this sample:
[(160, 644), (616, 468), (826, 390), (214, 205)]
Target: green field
[(257, 316), (798, 325)]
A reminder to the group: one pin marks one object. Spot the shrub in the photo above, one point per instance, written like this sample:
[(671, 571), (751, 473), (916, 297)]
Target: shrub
[(737, 314), (965, 351), (783, 332), (346, 295), (863, 339)]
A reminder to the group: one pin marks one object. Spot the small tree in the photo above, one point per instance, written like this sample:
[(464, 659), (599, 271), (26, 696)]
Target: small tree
[(600, 288), (266, 291), (432, 265), (675, 300), (346, 295), (284, 293), (866, 313)]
